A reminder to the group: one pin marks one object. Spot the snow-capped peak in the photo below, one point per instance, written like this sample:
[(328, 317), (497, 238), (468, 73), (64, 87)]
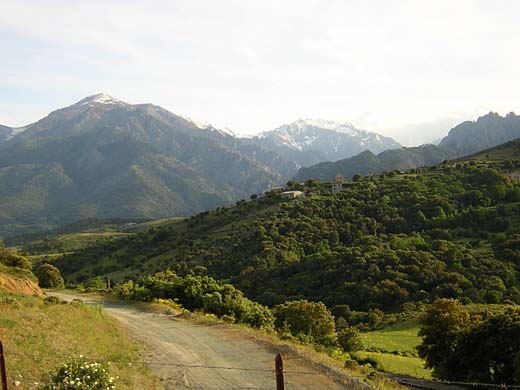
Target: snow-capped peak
[(204, 126), (345, 127), (328, 137), (100, 98)]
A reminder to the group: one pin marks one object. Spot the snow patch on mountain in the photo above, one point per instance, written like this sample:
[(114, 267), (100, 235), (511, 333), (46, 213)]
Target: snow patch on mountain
[(100, 98), (17, 130), (346, 128), (331, 140), (208, 126), (304, 133)]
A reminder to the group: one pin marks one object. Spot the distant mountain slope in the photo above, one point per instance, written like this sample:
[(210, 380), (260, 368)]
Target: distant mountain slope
[(464, 139), (367, 163), (487, 131), (508, 151), (5, 133), (105, 158), (309, 141)]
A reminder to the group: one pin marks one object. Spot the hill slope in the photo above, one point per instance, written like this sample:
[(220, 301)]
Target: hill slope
[(102, 157), (508, 151), (367, 163), (450, 232), (15, 274)]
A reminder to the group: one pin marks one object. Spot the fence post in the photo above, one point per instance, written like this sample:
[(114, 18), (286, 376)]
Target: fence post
[(280, 384), (3, 371)]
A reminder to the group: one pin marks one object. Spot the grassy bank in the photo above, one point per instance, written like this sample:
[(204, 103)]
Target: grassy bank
[(38, 336)]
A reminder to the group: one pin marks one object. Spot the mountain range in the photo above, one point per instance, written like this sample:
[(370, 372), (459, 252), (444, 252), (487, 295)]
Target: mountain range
[(310, 141), (105, 158), (464, 139)]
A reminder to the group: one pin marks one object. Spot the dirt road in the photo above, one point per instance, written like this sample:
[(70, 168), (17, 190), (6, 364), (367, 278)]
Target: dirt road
[(194, 356)]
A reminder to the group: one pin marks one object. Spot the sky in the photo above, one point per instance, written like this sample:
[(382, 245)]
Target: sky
[(407, 69)]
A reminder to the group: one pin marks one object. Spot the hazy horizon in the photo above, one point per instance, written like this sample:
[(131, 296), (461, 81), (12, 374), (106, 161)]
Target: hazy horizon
[(403, 69)]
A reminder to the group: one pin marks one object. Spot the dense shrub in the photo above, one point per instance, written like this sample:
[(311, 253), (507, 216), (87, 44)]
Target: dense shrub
[(13, 260), (49, 276), (349, 339), (309, 321), (198, 292)]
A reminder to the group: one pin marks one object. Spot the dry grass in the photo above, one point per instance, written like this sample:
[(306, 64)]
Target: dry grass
[(37, 337)]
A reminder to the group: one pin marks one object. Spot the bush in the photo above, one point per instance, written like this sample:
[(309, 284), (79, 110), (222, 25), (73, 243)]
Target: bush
[(307, 320), (49, 277), (367, 360), (14, 260), (80, 374), (349, 339), (198, 292)]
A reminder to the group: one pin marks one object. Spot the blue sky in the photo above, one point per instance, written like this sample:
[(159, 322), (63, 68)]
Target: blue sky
[(409, 69)]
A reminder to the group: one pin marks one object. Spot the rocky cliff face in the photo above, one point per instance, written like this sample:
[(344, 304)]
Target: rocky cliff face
[(484, 133)]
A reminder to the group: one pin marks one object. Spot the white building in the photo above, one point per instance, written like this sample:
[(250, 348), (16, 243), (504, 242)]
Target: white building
[(293, 194)]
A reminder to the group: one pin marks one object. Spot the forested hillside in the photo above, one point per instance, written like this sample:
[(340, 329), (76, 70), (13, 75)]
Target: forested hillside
[(450, 231), (104, 158), (367, 163)]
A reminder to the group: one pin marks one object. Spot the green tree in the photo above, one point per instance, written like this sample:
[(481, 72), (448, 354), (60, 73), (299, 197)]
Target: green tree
[(489, 351), (49, 276), (357, 178), (307, 319), (441, 325)]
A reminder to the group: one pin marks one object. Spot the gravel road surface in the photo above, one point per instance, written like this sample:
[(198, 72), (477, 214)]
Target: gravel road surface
[(195, 356)]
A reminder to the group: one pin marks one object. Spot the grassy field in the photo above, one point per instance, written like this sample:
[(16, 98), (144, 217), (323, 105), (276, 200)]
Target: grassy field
[(403, 365), (37, 337), (400, 338)]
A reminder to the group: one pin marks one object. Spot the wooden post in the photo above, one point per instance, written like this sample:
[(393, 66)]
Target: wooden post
[(3, 371), (280, 384)]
